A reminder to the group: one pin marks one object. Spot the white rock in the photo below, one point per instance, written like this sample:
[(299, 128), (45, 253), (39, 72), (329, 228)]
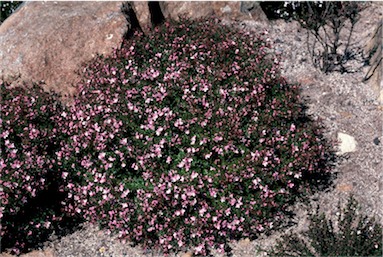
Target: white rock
[(347, 143)]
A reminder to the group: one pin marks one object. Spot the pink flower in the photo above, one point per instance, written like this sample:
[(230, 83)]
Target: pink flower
[(159, 130), (199, 249), (175, 178), (179, 212), (103, 179), (47, 224), (218, 138), (194, 175), (213, 192), (265, 161), (186, 162), (65, 175), (290, 184), (192, 142), (202, 211), (101, 156)]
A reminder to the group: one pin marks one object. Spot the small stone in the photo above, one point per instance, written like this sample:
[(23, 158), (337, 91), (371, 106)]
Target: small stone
[(102, 249), (376, 141), (278, 41), (6, 255), (40, 253), (344, 187), (380, 97), (187, 254), (347, 143), (244, 242), (306, 80), (345, 115), (226, 9)]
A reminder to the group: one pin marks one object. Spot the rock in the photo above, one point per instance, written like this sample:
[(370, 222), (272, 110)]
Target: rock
[(6, 255), (41, 253), (194, 10), (345, 115), (244, 242), (48, 41), (344, 188), (141, 9), (36, 253), (254, 9), (152, 13), (347, 143), (374, 75), (187, 254)]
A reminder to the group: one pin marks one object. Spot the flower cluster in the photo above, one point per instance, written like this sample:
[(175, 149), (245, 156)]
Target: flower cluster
[(28, 137), (187, 137)]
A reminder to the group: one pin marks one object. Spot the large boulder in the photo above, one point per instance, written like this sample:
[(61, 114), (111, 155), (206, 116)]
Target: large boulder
[(49, 41), (148, 12)]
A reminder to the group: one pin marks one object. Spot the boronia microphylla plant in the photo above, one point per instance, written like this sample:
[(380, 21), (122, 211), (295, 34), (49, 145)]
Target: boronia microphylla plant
[(28, 138), (187, 138)]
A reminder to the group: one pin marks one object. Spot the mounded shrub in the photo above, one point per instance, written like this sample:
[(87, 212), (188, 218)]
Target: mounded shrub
[(188, 137), (354, 235), (30, 201)]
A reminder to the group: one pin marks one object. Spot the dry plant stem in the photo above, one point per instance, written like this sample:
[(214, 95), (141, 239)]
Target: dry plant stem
[(331, 56)]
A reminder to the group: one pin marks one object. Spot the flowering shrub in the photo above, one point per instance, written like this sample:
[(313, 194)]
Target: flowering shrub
[(27, 139), (355, 235), (188, 137)]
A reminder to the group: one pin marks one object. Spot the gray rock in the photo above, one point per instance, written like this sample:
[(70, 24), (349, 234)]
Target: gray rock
[(253, 8)]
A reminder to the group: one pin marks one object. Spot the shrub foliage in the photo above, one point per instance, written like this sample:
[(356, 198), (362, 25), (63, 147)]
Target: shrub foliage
[(355, 235), (188, 136), (28, 177)]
